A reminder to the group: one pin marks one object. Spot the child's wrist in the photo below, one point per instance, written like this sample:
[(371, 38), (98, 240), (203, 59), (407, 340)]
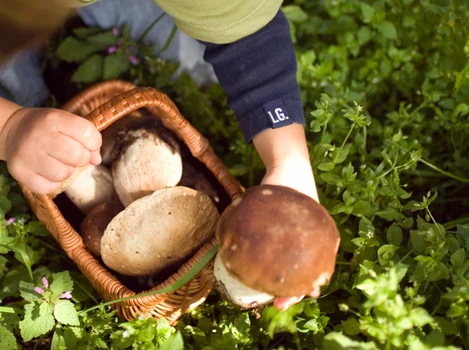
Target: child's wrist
[(5, 126), (294, 172), (283, 147)]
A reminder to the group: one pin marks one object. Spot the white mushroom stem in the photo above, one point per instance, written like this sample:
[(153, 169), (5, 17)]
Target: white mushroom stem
[(94, 185), (236, 292)]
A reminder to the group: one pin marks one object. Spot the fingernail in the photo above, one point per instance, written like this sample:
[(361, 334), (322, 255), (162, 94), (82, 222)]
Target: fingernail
[(96, 157), (316, 293)]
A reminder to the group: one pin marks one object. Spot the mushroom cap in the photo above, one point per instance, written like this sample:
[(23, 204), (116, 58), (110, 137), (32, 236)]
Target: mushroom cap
[(146, 158), (95, 223), (158, 231), (93, 185), (279, 241), (110, 134)]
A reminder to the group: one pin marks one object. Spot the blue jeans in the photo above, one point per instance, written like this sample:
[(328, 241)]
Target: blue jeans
[(21, 79)]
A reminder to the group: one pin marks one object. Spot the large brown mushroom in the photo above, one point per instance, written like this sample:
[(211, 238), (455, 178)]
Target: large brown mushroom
[(276, 241), (146, 158), (158, 231)]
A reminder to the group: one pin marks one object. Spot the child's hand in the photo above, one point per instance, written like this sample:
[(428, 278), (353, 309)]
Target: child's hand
[(43, 146), (285, 155)]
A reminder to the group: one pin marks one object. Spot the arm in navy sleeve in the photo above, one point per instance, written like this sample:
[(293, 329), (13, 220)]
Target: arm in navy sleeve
[(258, 74)]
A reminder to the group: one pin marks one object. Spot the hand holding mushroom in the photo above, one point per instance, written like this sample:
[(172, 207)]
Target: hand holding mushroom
[(288, 164), (275, 243), (300, 178)]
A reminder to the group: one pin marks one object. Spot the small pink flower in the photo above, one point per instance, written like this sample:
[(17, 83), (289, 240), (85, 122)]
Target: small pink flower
[(10, 221), (115, 31), (66, 295), (45, 282), (132, 48), (133, 59), (38, 290), (112, 49), (119, 42)]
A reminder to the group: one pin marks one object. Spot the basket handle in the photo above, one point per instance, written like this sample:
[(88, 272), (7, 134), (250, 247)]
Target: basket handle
[(159, 104)]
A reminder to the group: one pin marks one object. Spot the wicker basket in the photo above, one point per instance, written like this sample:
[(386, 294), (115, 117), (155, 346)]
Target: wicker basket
[(103, 104)]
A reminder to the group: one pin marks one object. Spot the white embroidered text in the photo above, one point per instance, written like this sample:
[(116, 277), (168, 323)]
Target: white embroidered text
[(278, 117)]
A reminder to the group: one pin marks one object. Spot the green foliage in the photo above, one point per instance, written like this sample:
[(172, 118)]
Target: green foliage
[(385, 89), (100, 55), (46, 306)]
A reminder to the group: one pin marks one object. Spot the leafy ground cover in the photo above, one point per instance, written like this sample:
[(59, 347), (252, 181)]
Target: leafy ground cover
[(387, 103)]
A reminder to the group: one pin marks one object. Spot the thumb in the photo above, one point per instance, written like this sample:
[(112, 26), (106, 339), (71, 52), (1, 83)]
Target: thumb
[(284, 303)]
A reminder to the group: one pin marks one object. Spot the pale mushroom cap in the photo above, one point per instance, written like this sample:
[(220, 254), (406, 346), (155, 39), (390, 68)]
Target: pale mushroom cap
[(94, 185), (146, 159), (110, 134), (158, 231), (279, 241)]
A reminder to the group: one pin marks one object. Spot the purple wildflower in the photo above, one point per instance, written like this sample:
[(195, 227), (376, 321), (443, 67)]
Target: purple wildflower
[(132, 48), (112, 49), (115, 31), (10, 221), (66, 295), (133, 59), (45, 282), (119, 42)]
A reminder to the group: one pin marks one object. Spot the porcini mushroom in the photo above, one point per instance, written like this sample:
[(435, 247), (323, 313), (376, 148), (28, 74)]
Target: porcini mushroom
[(276, 241), (110, 133), (158, 231), (146, 158), (95, 223), (90, 186)]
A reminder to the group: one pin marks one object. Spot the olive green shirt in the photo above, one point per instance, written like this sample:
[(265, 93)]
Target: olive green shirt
[(215, 21)]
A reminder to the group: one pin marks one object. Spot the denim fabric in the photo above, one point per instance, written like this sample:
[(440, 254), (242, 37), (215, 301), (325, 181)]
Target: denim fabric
[(21, 80)]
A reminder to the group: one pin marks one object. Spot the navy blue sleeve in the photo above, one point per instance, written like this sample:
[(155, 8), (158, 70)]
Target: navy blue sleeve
[(258, 75)]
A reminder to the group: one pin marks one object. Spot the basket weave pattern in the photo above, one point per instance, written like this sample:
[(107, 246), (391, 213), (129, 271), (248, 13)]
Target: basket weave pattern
[(103, 104)]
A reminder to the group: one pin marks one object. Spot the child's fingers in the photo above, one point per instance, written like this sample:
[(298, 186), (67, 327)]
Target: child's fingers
[(38, 184), (81, 130), (315, 293), (68, 151), (95, 158), (285, 303), (52, 169)]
